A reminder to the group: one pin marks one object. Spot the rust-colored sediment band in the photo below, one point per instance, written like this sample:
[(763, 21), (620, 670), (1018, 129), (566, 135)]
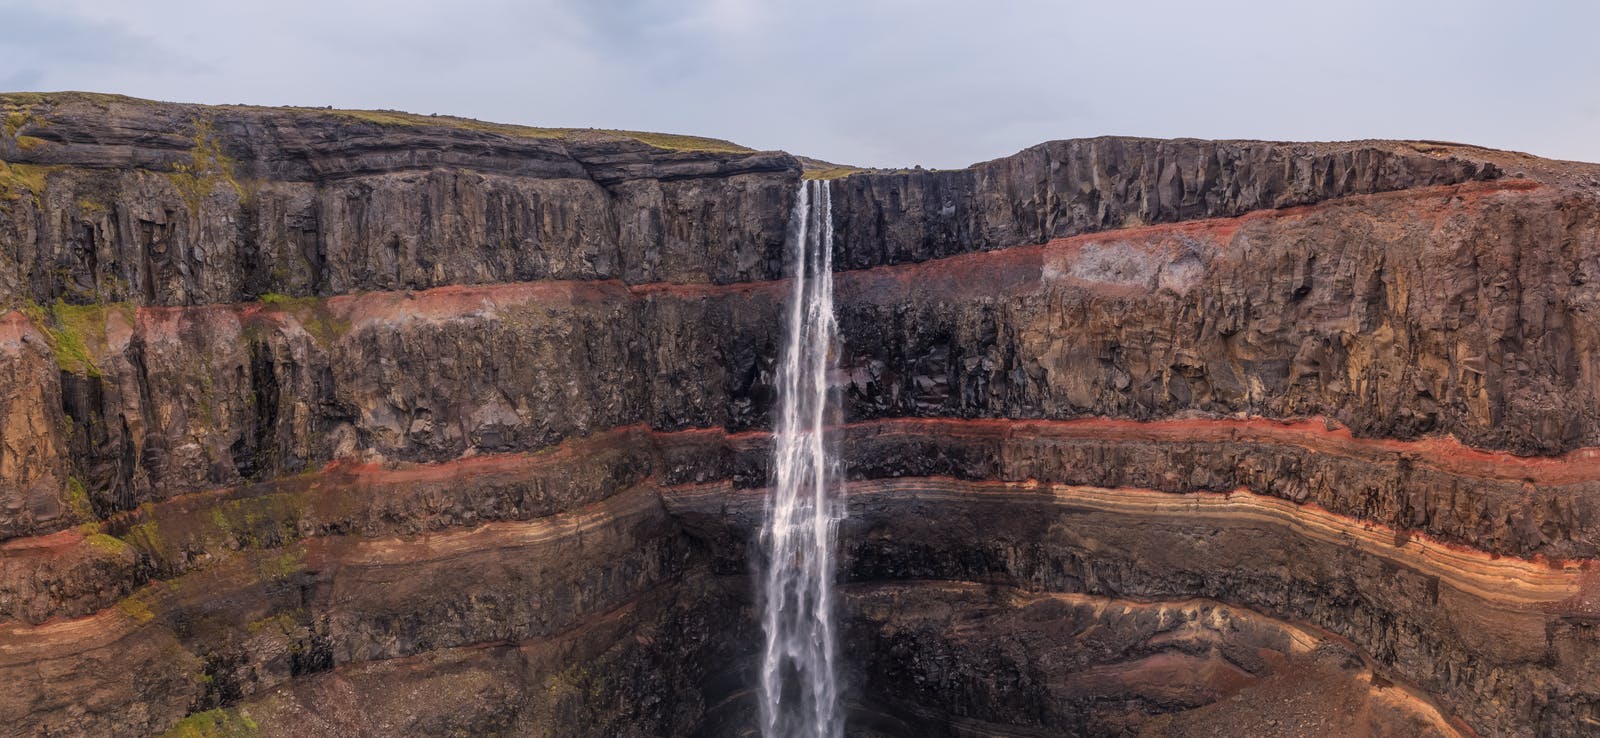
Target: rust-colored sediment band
[(1315, 434), (1564, 587), (21, 643), (1016, 267), (1443, 453)]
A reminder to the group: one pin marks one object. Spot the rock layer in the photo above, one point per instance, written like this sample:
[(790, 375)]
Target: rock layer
[(362, 423)]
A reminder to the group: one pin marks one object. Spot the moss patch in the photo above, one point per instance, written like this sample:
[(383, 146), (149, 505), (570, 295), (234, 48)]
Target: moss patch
[(29, 99), (833, 172), (218, 723), (23, 180), (282, 565), (136, 609), (667, 141), (14, 121), (147, 538), (69, 329), (78, 500), (679, 142), (313, 314), (107, 544), (285, 623), (209, 168)]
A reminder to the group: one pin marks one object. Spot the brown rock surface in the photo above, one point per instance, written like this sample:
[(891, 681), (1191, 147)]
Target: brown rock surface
[(361, 423)]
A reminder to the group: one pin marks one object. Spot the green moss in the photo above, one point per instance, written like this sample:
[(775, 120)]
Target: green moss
[(313, 314), (283, 622), (67, 329), (24, 180), (282, 565), (30, 99), (833, 172), (147, 538), (218, 723), (668, 141), (136, 609), (108, 544), (15, 120), (398, 118), (78, 500), (678, 142), (208, 169), (24, 101), (29, 143), (255, 522)]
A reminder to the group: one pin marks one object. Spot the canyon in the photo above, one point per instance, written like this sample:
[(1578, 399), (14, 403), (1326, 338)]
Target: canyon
[(323, 422)]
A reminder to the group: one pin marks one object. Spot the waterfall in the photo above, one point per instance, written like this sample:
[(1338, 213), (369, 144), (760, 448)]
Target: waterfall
[(799, 683)]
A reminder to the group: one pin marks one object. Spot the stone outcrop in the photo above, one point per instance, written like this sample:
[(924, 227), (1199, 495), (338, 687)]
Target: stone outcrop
[(362, 423)]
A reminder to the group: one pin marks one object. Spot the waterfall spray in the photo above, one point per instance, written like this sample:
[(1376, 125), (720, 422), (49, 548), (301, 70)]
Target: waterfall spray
[(799, 681)]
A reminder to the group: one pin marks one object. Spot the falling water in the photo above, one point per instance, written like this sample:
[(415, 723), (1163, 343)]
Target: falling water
[(799, 686)]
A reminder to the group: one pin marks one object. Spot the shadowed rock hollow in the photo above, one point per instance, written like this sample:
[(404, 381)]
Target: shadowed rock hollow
[(362, 423)]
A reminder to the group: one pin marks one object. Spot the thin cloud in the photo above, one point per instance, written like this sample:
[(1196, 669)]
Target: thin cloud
[(874, 82)]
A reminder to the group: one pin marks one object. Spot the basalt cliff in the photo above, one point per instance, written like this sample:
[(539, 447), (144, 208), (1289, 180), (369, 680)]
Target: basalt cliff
[(330, 423)]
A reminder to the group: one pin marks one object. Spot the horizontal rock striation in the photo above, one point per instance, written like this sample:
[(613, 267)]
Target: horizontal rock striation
[(364, 423), (112, 199)]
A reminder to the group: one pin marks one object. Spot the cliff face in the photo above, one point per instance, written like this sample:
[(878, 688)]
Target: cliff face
[(371, 424)]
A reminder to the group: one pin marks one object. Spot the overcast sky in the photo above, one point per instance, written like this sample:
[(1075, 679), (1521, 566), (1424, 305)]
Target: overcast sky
[(871, 82)]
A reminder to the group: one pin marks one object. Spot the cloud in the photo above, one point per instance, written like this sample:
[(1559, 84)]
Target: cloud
[(878, 82), (45, 43), (22, 80)]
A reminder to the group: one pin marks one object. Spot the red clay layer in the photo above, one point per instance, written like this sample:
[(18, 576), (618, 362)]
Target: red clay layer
[(1584, 573), (996, 272), (1313, 434)]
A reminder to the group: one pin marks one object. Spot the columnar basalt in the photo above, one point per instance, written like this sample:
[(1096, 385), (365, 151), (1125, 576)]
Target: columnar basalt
[(362, 423)]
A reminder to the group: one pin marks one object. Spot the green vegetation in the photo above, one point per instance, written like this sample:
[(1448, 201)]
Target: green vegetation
[(667, 141), (282, 565), (312, 313), (78, 500), (147, 538), (832, 172), (30, 99), (14, 121), (136, 608), (208, 168), (108, 544), (398, 118), (218, 723), (573, 681), (282, 622), (23, 180), (29, 143), (19, 111), (66, 328), (261, 521), (680, 142)]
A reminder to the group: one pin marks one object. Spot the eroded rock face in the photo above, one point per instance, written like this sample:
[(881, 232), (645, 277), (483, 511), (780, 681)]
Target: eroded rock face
[(370, 424)]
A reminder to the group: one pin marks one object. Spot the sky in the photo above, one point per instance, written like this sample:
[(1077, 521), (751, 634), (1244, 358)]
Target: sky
[(865, 82)]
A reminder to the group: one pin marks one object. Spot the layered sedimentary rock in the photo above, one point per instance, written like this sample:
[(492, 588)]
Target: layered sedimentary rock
[(346, 423)]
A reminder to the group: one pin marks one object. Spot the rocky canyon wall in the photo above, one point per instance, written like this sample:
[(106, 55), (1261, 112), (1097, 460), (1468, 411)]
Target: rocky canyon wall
[(362, 423)]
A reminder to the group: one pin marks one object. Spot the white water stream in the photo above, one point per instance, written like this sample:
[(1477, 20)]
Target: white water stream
[(799, 680)]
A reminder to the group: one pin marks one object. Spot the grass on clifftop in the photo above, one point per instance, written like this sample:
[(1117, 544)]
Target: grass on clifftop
[(21, 103), (668, 141)]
